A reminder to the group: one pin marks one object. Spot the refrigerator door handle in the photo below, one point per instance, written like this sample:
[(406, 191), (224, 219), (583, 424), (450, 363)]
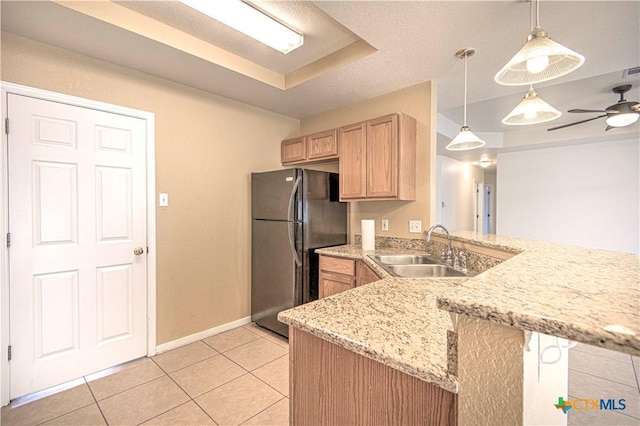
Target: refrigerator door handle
[(290, 217), (292, 243), (292, 198)]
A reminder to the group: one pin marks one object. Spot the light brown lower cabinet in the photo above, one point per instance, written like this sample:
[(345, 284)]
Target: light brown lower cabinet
[(330, 385), (339, 274), (364, 274)]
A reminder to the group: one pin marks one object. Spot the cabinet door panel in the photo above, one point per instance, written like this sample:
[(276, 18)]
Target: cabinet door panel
[(293, 150), (382, 157), (322, 145), (353, 164), (365, 274), (333, 284)]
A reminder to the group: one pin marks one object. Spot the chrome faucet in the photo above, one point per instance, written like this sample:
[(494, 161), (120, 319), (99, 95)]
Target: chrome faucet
[(449, 253)]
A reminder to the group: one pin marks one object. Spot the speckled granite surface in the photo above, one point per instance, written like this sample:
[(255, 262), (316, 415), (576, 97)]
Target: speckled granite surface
[(393, 321), (586, 295), (559, 290)]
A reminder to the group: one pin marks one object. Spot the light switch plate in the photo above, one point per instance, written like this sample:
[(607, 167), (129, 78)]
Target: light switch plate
[(163, 199), (415, 226), (384, 225)]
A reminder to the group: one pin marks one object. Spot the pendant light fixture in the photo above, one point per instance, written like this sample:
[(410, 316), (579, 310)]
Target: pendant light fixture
[(532, 110), (540, 59), (466, 139)]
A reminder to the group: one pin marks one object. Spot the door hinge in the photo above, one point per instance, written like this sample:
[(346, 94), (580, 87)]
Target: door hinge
[(6, 125), (9, 353), (8, 239)]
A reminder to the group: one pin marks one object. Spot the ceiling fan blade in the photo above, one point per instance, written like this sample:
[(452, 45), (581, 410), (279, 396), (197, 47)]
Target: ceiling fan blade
[(608, 128), (586, 110), (577, 122)]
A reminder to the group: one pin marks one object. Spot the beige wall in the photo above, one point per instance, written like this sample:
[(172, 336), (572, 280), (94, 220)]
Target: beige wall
[(417, 101), (206, 147)]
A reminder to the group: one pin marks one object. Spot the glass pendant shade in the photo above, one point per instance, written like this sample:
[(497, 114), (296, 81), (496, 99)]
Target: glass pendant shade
[(532, 110), (540, 59), (622, 120), (465, 140)]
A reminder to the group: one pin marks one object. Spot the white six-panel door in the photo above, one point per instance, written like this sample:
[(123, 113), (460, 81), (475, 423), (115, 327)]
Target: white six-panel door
[(77, 213)]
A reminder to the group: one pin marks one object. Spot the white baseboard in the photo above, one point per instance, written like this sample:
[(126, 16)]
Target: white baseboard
[(201, 335)]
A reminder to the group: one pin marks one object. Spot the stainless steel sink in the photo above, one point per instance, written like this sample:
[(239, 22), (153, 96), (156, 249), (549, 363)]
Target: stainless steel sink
[(417, 266), (402, 259), (424, 271)]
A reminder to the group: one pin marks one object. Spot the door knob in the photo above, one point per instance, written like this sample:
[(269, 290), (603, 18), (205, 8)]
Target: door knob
[(138, 251)]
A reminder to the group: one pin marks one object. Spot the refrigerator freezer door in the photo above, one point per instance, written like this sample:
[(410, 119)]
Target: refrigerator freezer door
[(271, 194), (324, 217), (274, 273)]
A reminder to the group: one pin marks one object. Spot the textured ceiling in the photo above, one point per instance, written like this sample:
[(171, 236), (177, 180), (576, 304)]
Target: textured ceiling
[(322, 35), (415, 42)]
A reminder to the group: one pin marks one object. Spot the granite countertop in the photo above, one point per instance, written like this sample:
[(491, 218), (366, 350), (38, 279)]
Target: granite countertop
[(585, 295), (393, 321)]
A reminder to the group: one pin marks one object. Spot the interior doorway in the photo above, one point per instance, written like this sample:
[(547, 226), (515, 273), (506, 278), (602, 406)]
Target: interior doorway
[(478, 206), (487, 212)]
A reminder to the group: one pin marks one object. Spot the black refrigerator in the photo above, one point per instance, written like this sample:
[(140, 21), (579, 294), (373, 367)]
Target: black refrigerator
[(293, 212)]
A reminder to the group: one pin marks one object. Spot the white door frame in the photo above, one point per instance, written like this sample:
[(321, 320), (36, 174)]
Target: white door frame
[(149, 118)]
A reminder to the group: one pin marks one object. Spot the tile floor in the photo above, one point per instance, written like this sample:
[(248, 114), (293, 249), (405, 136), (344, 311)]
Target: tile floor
[(242, 377), (237, 377), (596, 373)]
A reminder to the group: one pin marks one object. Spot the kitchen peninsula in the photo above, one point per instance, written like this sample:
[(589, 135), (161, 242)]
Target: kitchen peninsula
[(455, 336)]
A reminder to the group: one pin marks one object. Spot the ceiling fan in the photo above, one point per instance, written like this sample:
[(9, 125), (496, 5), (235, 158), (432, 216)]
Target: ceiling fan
[(620, 114)]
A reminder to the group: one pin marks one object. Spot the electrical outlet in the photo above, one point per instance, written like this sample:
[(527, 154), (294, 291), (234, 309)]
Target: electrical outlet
[(415, 226), (384, 226)]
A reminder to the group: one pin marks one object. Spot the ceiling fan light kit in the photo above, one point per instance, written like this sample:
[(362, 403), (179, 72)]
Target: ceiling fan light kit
[(540, 59), (622, 120), (621, 114), (466, 139), (532, 110)]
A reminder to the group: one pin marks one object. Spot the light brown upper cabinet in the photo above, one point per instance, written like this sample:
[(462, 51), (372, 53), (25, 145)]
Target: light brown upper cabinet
[(378, 159), (317, 147), (293, 150), (353, 162)]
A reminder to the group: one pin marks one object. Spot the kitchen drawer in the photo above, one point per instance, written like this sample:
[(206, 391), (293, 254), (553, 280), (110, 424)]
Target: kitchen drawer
[(338, 265)]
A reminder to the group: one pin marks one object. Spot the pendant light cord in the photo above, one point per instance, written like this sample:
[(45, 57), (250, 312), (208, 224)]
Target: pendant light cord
[(535, 4), (531, 11), (466, 55)]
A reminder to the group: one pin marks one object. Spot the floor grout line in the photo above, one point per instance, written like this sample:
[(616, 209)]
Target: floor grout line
[(262, 411), (286, 396), (635, 373), (602, 378), (96, 402)]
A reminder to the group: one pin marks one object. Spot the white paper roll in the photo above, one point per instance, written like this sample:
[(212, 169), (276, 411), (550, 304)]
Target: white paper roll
[(368, 234)]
